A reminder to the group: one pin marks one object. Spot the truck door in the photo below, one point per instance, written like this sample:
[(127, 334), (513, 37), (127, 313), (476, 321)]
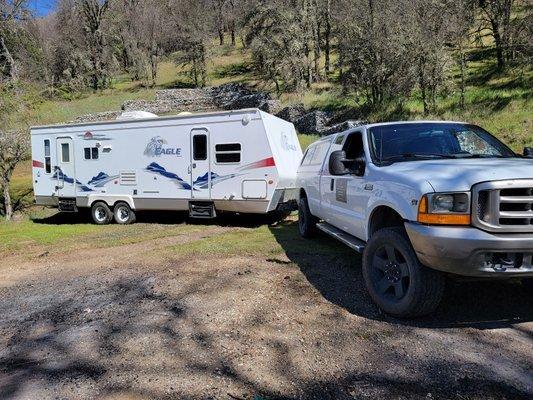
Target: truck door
[(64, 171), (200, 168), (349, 194)]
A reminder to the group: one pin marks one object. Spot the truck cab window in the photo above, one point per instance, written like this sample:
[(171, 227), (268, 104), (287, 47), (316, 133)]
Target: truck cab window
[(355, 151)]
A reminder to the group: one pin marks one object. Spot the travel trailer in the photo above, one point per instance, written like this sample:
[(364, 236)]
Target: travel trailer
[(241, 161)]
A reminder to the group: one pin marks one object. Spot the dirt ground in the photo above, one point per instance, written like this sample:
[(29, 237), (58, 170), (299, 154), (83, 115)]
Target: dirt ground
[(136, 321)]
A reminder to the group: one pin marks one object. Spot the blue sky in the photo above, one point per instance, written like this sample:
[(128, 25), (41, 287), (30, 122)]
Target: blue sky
[(42, 7)]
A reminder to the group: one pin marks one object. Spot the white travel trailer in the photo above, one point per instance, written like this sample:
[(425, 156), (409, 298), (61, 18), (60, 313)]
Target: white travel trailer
[(241, 161)]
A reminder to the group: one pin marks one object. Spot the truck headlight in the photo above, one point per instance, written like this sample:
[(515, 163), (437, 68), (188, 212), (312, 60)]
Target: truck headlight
[(445, 208)]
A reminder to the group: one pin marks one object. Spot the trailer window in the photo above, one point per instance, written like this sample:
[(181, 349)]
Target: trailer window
[(47, 158), (91, 153), (229, 153), (65, 153), (199, 147)]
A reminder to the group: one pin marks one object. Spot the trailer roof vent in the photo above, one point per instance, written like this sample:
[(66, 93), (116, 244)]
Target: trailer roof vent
[(128, 178)]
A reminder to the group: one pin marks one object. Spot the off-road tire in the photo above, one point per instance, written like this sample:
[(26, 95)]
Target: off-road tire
[(123, 214), (306, 220), (100, 213), (423, 287)]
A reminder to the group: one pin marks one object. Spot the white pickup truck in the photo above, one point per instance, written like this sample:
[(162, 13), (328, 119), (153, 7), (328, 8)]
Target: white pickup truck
[(421, 200)]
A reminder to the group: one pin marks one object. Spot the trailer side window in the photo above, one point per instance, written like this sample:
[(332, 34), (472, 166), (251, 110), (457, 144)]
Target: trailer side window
[(91, 153), (199, 147), (47, 158), (228, 153)]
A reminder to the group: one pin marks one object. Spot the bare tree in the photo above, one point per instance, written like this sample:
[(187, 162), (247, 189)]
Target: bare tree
[(14, 145), (93, 13), (496, 16)]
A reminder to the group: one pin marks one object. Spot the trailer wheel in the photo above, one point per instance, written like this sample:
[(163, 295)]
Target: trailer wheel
[(101, 213), (123, 214), (397, 282), (306, 220)]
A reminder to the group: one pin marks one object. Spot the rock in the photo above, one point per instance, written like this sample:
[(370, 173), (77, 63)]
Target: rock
[(95, 117), (292, 112), (270, 106), (314, 122), (341, 127), (227, 93), (248, 101), (156, 107)]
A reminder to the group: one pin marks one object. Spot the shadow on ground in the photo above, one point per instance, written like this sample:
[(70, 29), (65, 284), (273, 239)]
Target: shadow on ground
[(481, 305)]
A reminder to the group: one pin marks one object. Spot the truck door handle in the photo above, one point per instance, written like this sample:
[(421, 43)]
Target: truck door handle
[(369, 186), (332, 184)]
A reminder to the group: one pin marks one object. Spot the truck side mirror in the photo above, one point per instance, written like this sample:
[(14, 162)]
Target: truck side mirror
[(336, 164), (528, 152)]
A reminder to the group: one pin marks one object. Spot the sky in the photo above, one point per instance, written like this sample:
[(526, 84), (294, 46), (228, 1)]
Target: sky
[(42, 8)]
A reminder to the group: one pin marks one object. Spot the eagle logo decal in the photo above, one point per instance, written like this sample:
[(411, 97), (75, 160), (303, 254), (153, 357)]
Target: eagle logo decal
[(154, 148)]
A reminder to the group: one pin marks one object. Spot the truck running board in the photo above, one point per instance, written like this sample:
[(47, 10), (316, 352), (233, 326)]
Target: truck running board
[(349, 240)]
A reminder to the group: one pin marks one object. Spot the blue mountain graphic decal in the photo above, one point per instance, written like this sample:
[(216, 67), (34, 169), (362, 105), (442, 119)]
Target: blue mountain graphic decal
[(97, 178), (158, 169)]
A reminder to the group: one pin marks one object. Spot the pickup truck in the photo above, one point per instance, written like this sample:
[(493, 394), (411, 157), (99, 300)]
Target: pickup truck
[(422, 201)]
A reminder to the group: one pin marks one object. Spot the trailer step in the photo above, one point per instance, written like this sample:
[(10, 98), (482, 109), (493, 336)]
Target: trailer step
[(349, 240), (202, 209)]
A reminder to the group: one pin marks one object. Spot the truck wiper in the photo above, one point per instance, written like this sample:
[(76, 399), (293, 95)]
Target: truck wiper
[(417, 156)]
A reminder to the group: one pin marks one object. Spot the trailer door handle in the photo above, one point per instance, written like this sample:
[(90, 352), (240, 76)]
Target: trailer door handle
[(194, 165), (332, 184)]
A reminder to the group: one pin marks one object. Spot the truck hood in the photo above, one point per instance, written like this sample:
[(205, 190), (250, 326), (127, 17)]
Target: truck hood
[(461, 175)]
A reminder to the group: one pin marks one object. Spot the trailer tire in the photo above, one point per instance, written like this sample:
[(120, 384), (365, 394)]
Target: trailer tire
[(396, 281), (101, 214), (123, 214), (306, 220)]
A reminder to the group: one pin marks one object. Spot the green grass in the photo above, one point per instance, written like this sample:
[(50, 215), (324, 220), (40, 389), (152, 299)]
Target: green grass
[(267, 241), (46, 228)]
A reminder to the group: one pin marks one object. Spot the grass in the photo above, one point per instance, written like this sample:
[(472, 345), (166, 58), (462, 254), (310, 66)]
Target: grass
[(45, 228)]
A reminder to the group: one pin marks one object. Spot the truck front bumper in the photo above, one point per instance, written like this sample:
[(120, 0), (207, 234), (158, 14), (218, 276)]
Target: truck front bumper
[(472, 252)]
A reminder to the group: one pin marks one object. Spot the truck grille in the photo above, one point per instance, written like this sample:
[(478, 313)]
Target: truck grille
[(504, 206)]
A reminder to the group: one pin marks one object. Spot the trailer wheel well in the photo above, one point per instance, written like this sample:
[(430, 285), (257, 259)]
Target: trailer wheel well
[(384, 217)]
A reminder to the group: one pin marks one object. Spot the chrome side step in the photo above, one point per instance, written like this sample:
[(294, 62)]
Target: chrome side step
[(349, 240)]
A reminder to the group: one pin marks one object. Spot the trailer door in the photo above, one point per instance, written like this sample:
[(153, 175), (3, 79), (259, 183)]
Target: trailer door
[(200, 164), (65, 173)]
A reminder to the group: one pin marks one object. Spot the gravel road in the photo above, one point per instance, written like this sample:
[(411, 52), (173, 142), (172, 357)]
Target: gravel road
[(135, 322)]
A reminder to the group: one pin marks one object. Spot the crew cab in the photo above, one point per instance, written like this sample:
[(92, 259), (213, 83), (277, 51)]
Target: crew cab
[(421, 201)]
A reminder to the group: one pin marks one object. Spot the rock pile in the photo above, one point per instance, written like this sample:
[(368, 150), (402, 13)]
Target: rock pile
[(232, 96)]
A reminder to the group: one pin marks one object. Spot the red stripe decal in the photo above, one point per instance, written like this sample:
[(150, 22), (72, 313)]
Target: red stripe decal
[(37, 164), (267, 162)]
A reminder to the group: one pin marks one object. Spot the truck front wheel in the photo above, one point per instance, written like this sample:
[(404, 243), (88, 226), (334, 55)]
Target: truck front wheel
[(397, 282), (306, 220)]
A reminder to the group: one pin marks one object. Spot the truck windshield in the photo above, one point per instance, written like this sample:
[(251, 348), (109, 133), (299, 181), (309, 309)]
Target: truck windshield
[(426, 141)]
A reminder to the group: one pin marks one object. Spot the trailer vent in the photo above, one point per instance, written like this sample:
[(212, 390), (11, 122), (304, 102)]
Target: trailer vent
[(128, 178)]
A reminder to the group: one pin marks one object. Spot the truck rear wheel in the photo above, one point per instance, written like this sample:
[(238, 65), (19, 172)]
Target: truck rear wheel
[(101, 213), (123, 214), (306, 220), (397, 282)]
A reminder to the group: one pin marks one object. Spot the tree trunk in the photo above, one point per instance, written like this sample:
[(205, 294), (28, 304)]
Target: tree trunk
[(422, 84), (232, 33), (220, 36), (8, 205), (327, 37), (462, 62), (13, 73), (498, 43)]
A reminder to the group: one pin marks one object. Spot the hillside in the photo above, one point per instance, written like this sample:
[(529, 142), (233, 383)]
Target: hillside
[(500, 102)]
